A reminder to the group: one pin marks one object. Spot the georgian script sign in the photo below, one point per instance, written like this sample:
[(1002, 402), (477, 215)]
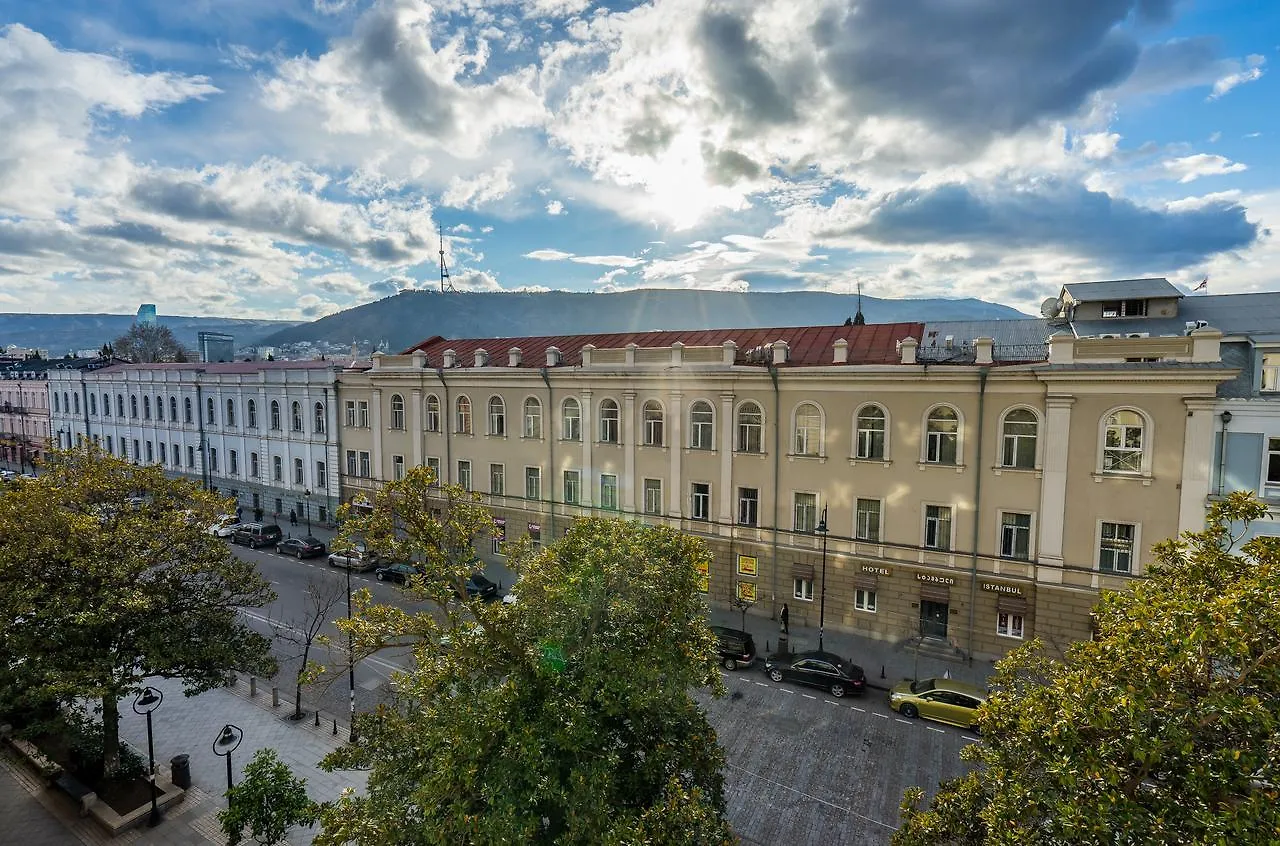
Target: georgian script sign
[(935, 580), (996, 587)]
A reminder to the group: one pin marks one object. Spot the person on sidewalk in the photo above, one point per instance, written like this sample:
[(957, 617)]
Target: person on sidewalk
[(293, 517), (786, 619)]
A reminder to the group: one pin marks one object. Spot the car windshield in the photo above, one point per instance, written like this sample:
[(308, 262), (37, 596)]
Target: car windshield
[(923, 686), (310, 541)]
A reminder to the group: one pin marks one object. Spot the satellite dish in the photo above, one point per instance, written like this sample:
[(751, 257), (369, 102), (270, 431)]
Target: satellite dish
[(1051, 307)]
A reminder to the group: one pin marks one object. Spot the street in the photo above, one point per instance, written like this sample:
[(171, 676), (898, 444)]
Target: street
[(803, 767)]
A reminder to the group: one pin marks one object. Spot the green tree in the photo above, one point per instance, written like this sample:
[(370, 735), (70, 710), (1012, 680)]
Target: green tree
[(109, 578), (268, 801), (563, 718), (148, 343), (1164, 729)]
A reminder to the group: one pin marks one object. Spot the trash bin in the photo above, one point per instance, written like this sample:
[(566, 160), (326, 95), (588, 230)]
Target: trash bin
[(180, 771)]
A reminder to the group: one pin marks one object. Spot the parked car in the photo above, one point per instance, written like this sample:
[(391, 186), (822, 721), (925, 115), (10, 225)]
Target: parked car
[(479, 587), (943, 700), (359, 559), (225, 526), (307, 547), (254, 535), (399, 572), (736, 647), (826, 670)]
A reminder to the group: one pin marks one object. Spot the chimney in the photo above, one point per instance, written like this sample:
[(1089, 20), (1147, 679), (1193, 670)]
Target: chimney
[(587, 350), (513, 357), (983, 350), (907, 349), (377, 359), (781, 352), (677, 354), (631, 353), (450, 359), (1206, 344), (553, 357), (419, 359), (482, 357), (730, 353), (841, 351), (1062, 348)]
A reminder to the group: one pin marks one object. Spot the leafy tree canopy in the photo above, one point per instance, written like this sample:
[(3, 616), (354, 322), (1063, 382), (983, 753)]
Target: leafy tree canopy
[(268, 801), (109, 577), (147, 344), (1164, 729), (564, 718)]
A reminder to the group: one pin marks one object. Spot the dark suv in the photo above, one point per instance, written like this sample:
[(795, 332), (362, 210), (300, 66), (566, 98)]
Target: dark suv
[(736, 648), (254, 535)]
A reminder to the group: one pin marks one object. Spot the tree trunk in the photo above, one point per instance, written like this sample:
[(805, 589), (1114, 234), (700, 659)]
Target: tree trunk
[(110, 734), (297, 682)]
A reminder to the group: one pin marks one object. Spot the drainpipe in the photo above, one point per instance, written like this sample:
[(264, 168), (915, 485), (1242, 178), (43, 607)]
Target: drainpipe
[(1222, 453), (446, 412), (204, 446), (337, 445), (84, 406), (777, 458), (983, 372), (551, 457)]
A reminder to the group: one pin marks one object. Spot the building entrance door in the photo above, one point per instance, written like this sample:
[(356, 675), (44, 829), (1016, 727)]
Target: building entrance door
[(933, 619)]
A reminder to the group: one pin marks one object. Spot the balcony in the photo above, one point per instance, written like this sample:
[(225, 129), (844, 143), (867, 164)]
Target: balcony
[(10, 408)]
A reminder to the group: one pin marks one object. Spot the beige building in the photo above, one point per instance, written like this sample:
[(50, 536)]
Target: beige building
[(975, 492)]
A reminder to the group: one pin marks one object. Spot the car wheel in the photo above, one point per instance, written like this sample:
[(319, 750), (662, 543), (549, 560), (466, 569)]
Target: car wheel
[(299, 554), (909, 711), (837, 690), (776, 675), (729, 664), (382, 577)]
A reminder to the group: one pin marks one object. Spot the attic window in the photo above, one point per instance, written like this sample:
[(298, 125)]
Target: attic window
[(1124, 308)]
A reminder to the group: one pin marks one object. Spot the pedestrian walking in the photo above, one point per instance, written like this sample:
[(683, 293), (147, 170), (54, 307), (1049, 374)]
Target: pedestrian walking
[(786, 619), (293, 517), (238, 512)]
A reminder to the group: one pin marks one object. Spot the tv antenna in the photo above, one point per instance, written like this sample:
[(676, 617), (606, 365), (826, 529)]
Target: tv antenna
[(445, 284)]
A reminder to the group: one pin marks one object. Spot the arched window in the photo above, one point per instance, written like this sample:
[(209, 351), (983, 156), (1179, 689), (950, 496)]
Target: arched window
[(750, 429), (319, 415), (497, 416), (57, 409), (571, 420), (297, 471), (608, 421), (231, 412), (652, 416), (433, 413), (173, 410), (871, 432), (702, 424), (75, 402), (295, 416), (532, 418), (397, 411), (93, 404), (275, 415), (462, 423), (160, 410), (133, 405), (807, 434), (186, 409), (251, 411), (1018, 439), (146, 408), (211, 411), (106, 406), (1123, 442), (942, 436)]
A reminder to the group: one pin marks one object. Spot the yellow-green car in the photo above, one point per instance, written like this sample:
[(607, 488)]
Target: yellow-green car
[(943, 700)]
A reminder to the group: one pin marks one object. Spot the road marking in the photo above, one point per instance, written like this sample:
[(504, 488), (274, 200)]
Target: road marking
[(967, 737), (832, 702), (882, 716), (807, 696), (817, 799), (904, 722), (938, 730), (762, 684), (859, 710), (784, 690)]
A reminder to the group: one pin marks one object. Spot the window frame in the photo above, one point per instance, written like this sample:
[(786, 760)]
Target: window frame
[(254, 467), (932, 445), (277, 468), (571, 424), (275, 416), (864, 438), (858, 527), (320, 422), (801, 589), (743, 500), (653, 423), (531, 418), (606, 502), (795, 512), (950, 521), (463, 420), (296, 423), (571, 487), (532, 473), (465, 479), (251, 413), (499, 489), (702, 433), (1133, 550), (864, 599), (610, 418), (1006, 626), (1008, 440), (299, 472), (431, 413), (397, 412), (656, 510), (1270, 461), (229, 416), (702, 514), (742, 431), (496, 417), (819, 448), (1030, 529), (1269, 372), (1143, 451)]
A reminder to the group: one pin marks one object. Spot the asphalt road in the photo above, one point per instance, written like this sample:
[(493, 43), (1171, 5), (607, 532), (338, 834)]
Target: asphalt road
[(804, 768)]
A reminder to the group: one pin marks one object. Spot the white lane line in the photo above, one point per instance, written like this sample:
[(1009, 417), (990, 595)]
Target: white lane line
[(817, 799), (832, 702), (967, 737), (788, 692), (762, 684), (900, 720), (882, 716), (938, 730), (859, 710), (807, 696)]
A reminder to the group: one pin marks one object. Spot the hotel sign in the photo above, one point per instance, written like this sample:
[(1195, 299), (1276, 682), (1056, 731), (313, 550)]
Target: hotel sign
[(876, 570), (930, 578), (996, 587)]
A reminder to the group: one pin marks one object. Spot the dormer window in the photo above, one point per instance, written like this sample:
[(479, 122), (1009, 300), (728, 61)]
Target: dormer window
[(1270, 372), (1124, 308)]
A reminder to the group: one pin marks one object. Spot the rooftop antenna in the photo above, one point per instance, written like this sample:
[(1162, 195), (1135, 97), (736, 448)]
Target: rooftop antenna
[(445, 284), (858, 319)]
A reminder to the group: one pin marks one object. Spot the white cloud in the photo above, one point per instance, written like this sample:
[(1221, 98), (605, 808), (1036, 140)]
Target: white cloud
[(1251, 71), (481, 190), (1099, 145), (1188, 168), (555, 207), (548, 255), (604, 261)]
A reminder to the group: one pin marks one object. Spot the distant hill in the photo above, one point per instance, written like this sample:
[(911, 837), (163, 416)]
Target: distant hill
[(61, 333), (411, 316)]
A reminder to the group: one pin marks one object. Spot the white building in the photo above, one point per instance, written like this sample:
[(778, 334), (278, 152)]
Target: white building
[(263, 432)]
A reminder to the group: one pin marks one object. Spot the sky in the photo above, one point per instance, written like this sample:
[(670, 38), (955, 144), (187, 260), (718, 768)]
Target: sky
[(291, 158)]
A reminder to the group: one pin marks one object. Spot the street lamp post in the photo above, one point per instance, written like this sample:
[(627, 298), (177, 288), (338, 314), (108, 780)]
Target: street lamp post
[(351, 662), (149, 700), (228, 739), (822, 601), (306, 510)]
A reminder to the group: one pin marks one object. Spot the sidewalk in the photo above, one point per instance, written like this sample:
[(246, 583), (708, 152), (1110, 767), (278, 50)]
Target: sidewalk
[(34, 815)]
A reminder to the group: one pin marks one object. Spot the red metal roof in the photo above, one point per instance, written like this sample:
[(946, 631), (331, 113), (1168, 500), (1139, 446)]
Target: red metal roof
[(810, 345), (226, 366)]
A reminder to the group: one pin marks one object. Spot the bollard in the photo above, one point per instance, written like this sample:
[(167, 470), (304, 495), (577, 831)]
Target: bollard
[(253, 686), (882, 671), (275, 697), (231, 679), (317, 718), (335, 726)]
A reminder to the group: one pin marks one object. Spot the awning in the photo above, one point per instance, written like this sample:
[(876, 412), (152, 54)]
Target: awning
[(866, 581), (935, 593), (802, 571), (1011, 604)]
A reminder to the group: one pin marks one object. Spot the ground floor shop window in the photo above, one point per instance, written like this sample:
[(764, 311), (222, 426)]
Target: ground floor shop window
[(864, 600), (498, 539), (1009, 624), (802, 589)]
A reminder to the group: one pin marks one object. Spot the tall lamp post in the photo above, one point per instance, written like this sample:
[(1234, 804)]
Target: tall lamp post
[(148, 701), (822, 601), (351, 662), (228, 739), (306, 510)]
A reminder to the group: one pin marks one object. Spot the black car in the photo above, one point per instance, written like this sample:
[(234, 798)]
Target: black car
[(307, 547), (254, 535), (480, 587), (819, 669), (396, 572), (735, 647)]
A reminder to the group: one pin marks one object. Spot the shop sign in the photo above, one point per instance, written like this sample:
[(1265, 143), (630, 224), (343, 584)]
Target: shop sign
[(747, 591), (704, 576), (876, 570), (997, 587), (748, 565), (930, 578)]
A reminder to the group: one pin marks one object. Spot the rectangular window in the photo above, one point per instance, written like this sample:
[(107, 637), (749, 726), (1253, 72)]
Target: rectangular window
[(608, 491), (700, 495), (362, 414), (1273, 461), (213, 458), (351, 463), (937, 527), (1270, 372), (137, 448), (652, 496), (366, 470), (867, 520), (802, 589), (533, 483), (1015, 536), (748, 506), (497, 479), (464, 473), (150, 456), (498, 540), (572, 487), (351, 414), (1009, 625), (535, 535), (805, 512), (397, 467), (159, 444), (191, 455), (1124, 308), (864, 600), (277, 468), (1115, 550), (433, 464), (299, 471), (233, 461), (111, 448), (321, 475)]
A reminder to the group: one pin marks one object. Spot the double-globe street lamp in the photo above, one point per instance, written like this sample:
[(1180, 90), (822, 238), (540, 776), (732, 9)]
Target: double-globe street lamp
[(306, 510), (149, 700), (228, 739), (822, 602)]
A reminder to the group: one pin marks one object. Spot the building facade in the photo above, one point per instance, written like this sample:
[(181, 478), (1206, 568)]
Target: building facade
[(261, 432), (25, 407), (974, 492)]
